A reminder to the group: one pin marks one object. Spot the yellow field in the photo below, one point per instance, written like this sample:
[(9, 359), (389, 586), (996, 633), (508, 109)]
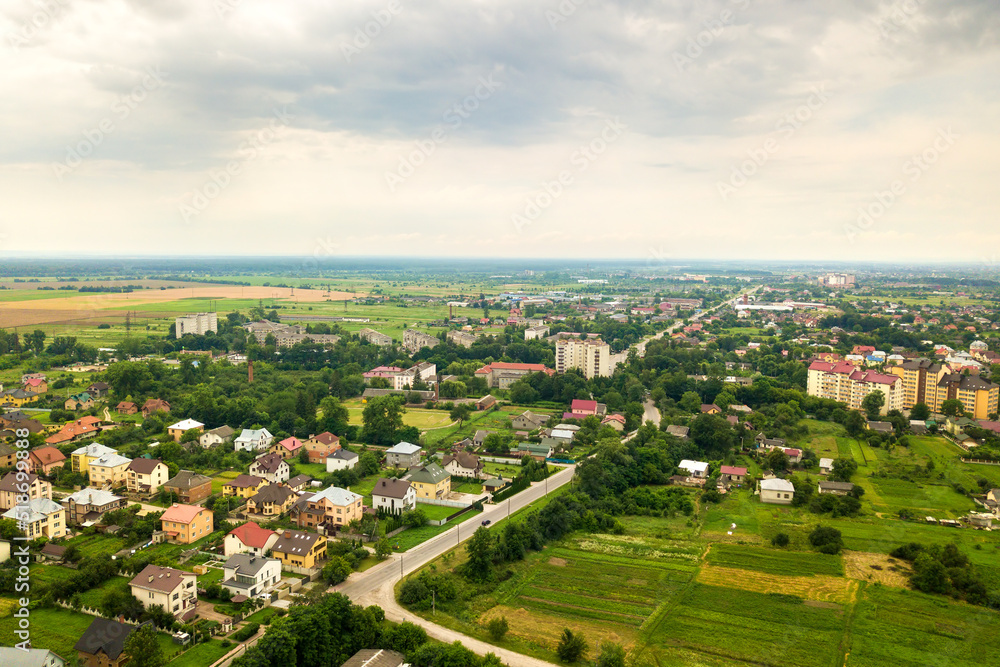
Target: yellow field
[(819, 588), (858, 565), (546, 630)]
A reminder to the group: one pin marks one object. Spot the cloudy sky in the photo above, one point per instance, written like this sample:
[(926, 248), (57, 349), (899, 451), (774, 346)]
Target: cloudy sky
[(525, 128)]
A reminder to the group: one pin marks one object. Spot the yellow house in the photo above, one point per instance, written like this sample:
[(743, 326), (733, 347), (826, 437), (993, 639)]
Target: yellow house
[(40, 517), (296, 548), (243, 486), (84, 455), (109, 470), (17, 397), (430, 481), (185, 524)]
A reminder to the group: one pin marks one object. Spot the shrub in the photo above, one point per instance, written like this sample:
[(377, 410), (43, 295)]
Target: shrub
[(780, 540), (827, 540), (246, 632), (572, 647), (497, 627)]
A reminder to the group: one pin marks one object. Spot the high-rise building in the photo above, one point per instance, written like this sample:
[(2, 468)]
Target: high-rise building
[(592, 356), (196, 323), (932, 384), (849, 384)]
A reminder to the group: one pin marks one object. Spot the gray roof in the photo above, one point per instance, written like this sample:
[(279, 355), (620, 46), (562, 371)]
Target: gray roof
[(32, 657), (272, 493), (403, 448), (186, 479), (90, 496), (376, 657), (296, 542), (342, 454), (164, 579), (336, 496), (106, 636), (248, 564), (777, 484), (835, 486), (38, 509)]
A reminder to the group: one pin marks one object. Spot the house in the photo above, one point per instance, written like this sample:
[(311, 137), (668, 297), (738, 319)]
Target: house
[(341, 459), (216, 436), (299, 482), (585, 408), (88, 505), (394, 495), (84, 455), (36, 385), (174, 590), (331, 507), (322, 442), (98, 389), (249, 538), (250, 575), (52, 552), (679, 431), (253, 440), (126, 408), (479, 437), (39, 517), (45, 459), (190, 487), (710, 409), (376, 657), (8, 454), (528, 421), (464, 464), (17, 397), (617, 422), (403, 455), (146, 476), (185, 524), (764, 442), (177, 430), (81, 401), (732, 474), (287, 448), (271, 500), (430, 481), (794, 455), (30, 657), (154, 405), (694, 468), (28, 487), (835, 488), (486, 402), (243, 486), (825, 466), (537, 451), (880, 427), (103, 643), (85, 427), (776, 491), (297, 548), (271, 467), (109, 470)]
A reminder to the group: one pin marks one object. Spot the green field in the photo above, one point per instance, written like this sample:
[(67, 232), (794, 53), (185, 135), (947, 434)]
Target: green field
[(772, 561)]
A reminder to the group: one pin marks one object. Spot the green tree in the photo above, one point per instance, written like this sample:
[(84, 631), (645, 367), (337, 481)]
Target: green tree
[(920, 412), (826, 539), (691, 401), (855, 424), (522, 393), (382, 417), (497, 627), (777, 459), (337, 570), (335, 417), (414, 518), (494, 443), (480, 549), (572, 647), (610, 655), (368, 464), (952, 407), (930, 575), (383, 549), (843, 470), (460, 412), (143, 648), (873, 403)]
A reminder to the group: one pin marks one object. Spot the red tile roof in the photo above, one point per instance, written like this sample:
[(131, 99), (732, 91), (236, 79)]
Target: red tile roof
[(732, 470), (182, 513), (580, 405), (512, 366), (252, 535)]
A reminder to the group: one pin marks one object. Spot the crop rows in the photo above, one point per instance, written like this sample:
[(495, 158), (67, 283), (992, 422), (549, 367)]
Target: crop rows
[(788, 563)]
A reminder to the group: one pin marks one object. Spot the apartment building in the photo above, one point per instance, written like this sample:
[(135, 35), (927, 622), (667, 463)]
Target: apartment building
[(848, 384), (375, 337), (592, 356), (932, 384), (463, 338), (414, 340), (39, 517), (196, 323), (502, 374)]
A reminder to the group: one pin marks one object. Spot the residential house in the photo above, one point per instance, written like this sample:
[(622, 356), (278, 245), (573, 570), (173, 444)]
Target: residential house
[(12, 656), (216, 436), (103, 643), (880, 427), (17, 397), (694, 468), (430, 481), (174, 590), (794, 455), (341, 459), (403, 455), (287, 448), (8, 455), (537, 451), (244, 486), (486, 402), (177, 430), (617, 422), (710, 409), (84, 455), (331, 507), (109, 470), (464, 464), (185, 524), (296, 548), (36, 385), (271, 500), (394, 495), (190, 487), (146, 476), (835, 488), (271, 467), (479, 437), (126, 408), (29, 487), (825, 466), (322, 442), (154, 405), (678, 431), (376, 657), (81, 429), (776, 491), (250, 575), (249, 538), (45, 459), (299, 483), (39, 517), (98, 389), (88, 505), (733, 474), (253, 440), (528, 421), (81, 401)]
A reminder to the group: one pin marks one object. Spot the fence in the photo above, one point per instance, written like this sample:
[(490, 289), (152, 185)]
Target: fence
[(988, 462), (442, 502)]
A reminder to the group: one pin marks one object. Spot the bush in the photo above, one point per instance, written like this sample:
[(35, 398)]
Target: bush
[(780, 540), (572, 647), (827, 540), (497, 627), (246, 632)]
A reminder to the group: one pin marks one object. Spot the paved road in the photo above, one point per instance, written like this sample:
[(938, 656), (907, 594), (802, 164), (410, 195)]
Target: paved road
[(650, 413)]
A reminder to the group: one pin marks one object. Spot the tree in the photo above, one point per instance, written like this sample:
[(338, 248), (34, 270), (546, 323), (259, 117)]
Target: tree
[(494, 443), (414, 518), (873, 403), (143, 648), (610, 655), (855, 424), (843, 470), (522, 393), (826, 539), (952, 407), (337, 570), (920, 412), (383, 549), (368, 464), (777, 459), (691, 401), (335, 417), (480, 548), (930, 575), (713, 435), (780, 540), (572, 647), (382, 417), (460, 412), (497, 627)]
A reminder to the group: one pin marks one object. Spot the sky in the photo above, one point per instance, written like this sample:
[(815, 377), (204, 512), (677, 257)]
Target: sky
[(718, 129)]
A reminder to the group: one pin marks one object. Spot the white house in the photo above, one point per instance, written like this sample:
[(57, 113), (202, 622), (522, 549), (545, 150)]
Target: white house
[(216, 436), (250, 575), (29, 657), (403, 455), (394, 495), (826, 466), (341, 459), (776, 491), (249, 538), (271, 467), (253, 440), (463, 464), (174, 590), (694, 468)]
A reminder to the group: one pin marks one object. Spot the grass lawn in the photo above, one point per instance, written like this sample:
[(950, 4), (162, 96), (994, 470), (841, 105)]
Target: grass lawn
[(436, 512), (421, 418), (508, 470), (222, 479), (262, 616), (92, 598), (468, 487), (201, 654), (411, 537), (96, 545)]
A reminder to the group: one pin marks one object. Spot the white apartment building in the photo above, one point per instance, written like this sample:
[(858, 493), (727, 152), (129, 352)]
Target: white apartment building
[(196, 323), (592, 356), (849, 384)]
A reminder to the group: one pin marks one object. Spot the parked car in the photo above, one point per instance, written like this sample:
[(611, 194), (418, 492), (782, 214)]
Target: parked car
[(486, 522)]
